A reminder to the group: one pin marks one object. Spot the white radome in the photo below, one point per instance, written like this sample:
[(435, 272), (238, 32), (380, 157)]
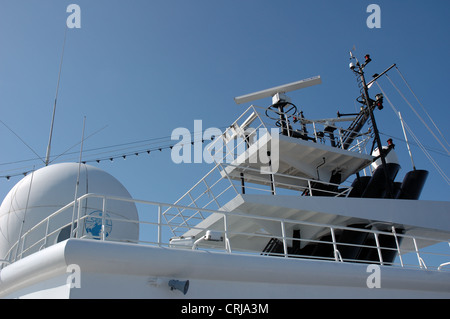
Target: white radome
[(48, 189)]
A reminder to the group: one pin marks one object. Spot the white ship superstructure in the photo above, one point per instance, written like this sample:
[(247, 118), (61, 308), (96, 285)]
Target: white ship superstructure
[(293, 208)]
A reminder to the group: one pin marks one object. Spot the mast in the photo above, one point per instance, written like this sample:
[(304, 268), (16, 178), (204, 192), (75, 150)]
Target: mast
[(370, 105)]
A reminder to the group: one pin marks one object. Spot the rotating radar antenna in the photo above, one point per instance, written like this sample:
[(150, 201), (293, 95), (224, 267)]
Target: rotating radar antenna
[(282, 109)]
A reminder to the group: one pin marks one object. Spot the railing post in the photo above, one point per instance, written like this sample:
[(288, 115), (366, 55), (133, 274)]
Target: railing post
[(421, 262), (72, 226), (46, 233), (283, 234), (315, 131), (398, 246), (159, 225), (103, 231), (225, 231), (340, 138), (22, 248), (378, 248), (337, 254), (78, 219)]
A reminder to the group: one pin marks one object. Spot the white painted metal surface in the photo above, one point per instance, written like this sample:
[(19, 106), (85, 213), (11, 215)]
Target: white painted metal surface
[(143, 272)]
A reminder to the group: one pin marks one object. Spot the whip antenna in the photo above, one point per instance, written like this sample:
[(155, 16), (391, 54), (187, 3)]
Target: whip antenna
[(47, 156)]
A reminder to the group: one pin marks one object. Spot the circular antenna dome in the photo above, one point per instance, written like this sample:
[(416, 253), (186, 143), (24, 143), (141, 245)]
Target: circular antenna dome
[(47, 190)]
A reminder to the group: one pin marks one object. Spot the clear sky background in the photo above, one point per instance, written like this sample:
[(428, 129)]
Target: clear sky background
[(144, 68)]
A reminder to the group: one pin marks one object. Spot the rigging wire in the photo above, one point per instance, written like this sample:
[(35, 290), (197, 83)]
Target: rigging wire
[(430, 158), (417, 114), (63, 153), (24, 216), (127, 146), (158, 144), (428, 148), (22, 141), (131, 148), (423, 108), (417, 141)]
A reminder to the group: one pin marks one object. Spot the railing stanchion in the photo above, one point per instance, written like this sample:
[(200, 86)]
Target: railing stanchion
[(159, 225), (378, 248), (283, 234), (103, 230)]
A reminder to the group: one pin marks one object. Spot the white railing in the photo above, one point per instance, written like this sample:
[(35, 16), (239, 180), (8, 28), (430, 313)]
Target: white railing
[(157, 232), (217, 188), (324, 131)]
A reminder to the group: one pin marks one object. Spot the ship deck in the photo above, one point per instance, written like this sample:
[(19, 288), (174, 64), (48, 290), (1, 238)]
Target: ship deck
[(83, 268)]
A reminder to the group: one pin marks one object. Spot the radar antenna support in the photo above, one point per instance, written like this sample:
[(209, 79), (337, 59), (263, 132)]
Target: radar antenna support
[(358, 69), (280, 100)]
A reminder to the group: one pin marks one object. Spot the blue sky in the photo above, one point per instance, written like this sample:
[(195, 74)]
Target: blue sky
[(144, 68)]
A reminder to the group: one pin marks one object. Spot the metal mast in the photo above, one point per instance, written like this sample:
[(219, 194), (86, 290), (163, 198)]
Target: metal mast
[(370, 104)]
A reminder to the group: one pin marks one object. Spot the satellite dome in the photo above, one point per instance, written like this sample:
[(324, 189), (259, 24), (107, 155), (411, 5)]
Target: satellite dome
[(42, 193)]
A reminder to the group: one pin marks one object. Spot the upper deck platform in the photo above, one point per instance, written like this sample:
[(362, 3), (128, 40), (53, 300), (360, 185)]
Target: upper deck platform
[(254, 141)]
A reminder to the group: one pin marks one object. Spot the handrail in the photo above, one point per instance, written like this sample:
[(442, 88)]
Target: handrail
[(45, 220), (267, 218), (252, 182), (264, 120), (442, 265), (228, 233), (252, 119), (243, 130)]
